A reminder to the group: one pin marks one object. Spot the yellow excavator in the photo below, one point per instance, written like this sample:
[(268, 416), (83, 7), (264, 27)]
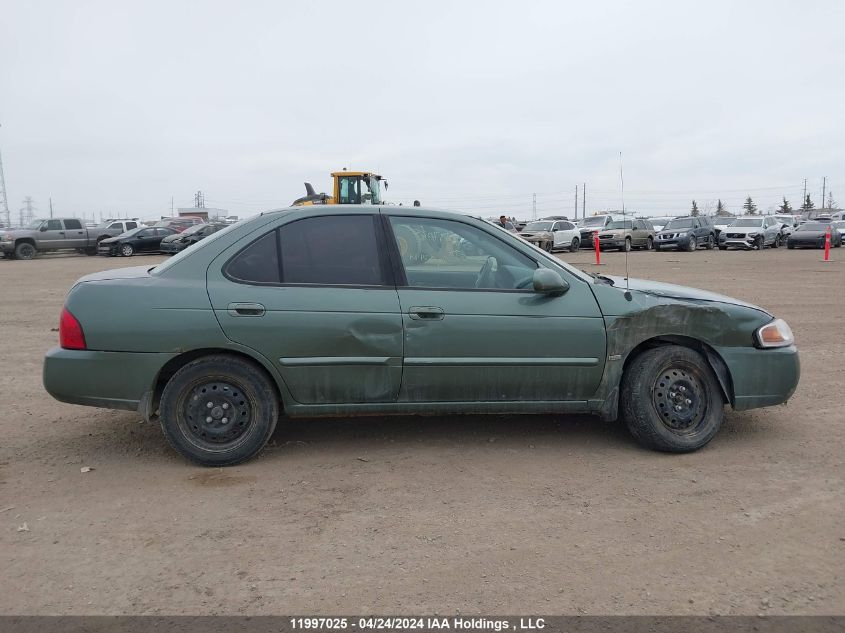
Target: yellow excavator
[(350, 187)]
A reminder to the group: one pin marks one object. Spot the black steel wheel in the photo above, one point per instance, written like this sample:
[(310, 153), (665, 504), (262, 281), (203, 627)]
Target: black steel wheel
[(219, 410), (670, 399)]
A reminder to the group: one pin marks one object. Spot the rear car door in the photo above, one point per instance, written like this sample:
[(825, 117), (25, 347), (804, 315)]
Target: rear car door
[(76, 236), (476, 331), (315, 296)]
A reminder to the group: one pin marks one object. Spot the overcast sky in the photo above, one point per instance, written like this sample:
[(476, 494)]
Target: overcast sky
[(113, 107)]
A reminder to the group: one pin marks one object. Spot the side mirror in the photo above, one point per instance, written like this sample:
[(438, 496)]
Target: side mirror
[(42, 228), (548, 282)]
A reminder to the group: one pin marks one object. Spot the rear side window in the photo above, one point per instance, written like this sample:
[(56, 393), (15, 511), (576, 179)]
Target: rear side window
[(73, 224), (130, 225), (331, 250), (257, 263)]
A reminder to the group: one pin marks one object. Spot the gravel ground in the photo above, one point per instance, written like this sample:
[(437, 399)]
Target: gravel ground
[(508, 514)]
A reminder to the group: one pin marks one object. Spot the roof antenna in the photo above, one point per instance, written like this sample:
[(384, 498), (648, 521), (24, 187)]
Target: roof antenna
[(624, 221)]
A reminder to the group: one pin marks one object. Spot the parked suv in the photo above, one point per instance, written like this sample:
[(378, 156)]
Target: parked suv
[(594, 223), (627, 234), (752, 231), (687, 233)]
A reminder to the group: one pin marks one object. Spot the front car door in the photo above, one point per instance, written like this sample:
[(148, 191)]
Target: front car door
[(315, 295), (52, 235), (475, 331)]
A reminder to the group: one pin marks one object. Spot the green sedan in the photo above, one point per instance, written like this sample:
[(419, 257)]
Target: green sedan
[(349, 310)]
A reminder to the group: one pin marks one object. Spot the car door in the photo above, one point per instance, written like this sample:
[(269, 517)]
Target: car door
[(315, 295), (76, 236), (476, 331), (51, 235), (160, 234), (563, 234)]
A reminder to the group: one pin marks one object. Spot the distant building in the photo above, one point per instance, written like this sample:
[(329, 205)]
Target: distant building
[(206, 213)]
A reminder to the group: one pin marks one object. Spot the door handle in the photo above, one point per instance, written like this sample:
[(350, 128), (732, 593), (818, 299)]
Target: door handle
[(246, 310), (61, 232), (426, 313)]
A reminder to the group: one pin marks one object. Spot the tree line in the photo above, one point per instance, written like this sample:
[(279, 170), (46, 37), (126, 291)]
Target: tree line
[(750, 207)]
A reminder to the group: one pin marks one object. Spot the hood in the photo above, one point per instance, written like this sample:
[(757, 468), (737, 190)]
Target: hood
[(111, 240), (810, 233), (672, 291), (674, 231), (132, 272), (175, 237)]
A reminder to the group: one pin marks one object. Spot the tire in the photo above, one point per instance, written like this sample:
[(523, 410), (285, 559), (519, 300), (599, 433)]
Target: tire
[(759, 242), (574, 245), (776, 243), (238, 386), (127, 250), (547, 246), (25, 250), (722, 248), (649, 243), (627, 247), (649, 410), (711, 242), (692, 244), (789, 245), (657, 248)]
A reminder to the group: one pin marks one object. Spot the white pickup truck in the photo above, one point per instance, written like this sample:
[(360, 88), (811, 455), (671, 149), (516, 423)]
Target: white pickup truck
[(42, 236)]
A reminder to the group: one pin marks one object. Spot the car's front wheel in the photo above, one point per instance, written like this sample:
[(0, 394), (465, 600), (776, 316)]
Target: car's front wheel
[(670, 399), (127, 250), (711, 242), (574, 245), (692, 244), (219, 410), (24, 250)]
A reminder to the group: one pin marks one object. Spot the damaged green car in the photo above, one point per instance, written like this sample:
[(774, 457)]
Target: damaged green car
[(349, 310)]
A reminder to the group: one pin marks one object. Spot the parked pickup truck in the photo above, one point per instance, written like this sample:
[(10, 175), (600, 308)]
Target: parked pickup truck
[(42, 236)]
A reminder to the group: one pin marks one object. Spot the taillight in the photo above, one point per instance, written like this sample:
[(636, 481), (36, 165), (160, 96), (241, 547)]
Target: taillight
[(71, 335)]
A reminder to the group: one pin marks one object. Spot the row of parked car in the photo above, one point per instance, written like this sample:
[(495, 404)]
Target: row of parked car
[(621, 232)]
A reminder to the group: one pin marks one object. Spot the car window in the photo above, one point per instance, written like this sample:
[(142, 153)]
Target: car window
[(145, 233), (331, 250), (54, 225), (258, 262), (73, 224), (566, 226), (439, 253), (130, 225), (117, 225), (162, 232)]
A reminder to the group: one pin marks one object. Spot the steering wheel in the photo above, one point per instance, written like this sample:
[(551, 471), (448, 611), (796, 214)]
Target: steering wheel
[(484, 278)]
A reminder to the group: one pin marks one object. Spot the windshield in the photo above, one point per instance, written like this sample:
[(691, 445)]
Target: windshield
[(594, 221), (839, 224), (679, 224), (621, 224), (785, 219), (538, 226), (749, 222), (34, 224), (814, 226)]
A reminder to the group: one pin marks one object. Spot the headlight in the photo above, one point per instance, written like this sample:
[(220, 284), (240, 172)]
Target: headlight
[(752, 234), (775, 334), (6, 237)]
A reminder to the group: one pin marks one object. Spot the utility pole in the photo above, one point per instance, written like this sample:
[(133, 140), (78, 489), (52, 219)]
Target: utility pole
[(804, 199), (5, 219), (533, 206), (584, 202), (824, 182), (576, 202), (51, 206), (199, 200), (171, 206)]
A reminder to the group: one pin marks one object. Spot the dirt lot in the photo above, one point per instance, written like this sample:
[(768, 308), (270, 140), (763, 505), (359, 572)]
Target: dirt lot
[(502, 515)]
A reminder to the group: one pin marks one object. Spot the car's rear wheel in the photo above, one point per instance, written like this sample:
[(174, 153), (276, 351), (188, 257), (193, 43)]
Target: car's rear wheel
[(670, 399), (574, 245), (649, 243), (127, 250), (219, 410)]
